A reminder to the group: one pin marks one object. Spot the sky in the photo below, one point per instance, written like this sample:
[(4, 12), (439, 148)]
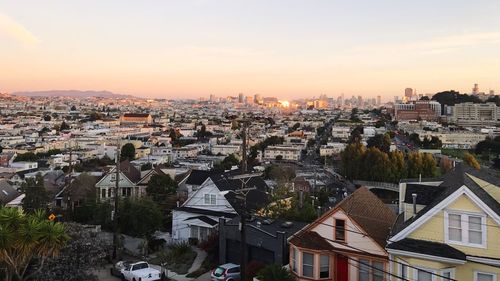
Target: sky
[(283, 48)]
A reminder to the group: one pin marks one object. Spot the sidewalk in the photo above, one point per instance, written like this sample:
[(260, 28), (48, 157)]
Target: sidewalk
[(200, 257)]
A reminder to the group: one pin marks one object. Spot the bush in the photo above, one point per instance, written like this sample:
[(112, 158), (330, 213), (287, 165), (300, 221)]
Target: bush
[(275, 272), (253, 267)]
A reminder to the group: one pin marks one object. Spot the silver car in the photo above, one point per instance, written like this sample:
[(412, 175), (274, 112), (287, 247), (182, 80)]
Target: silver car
[(226, 272)]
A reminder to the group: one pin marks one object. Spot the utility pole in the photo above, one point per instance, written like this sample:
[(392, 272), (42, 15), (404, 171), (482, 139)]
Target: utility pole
[(241, 194), (115, 211), (244, 158)]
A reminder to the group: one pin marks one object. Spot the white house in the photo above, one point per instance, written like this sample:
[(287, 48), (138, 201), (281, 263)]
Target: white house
[(199, 214)]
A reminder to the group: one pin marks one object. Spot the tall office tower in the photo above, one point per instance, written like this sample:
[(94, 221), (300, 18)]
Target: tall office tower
[(379, 100), (360, 101), (212, 98), (396, 99), (408, 93), (492, 92), (241, 98), (258, 99), (475, 90), (249, 99)]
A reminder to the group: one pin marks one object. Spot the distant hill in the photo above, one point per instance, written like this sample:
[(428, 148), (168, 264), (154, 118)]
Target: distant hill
[(72, 93)]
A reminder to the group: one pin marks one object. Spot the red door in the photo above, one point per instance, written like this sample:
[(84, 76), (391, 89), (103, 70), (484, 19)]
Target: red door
[(341, 269)]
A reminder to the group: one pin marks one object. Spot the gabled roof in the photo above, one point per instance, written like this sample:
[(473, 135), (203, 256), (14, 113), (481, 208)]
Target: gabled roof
[(425, 193), (452, 182), (366, 209), (255, 199), (197, 177), (130, 171)]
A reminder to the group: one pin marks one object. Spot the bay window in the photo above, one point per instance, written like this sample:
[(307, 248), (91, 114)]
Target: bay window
[(324, 268), (295, 253), (307, 265)]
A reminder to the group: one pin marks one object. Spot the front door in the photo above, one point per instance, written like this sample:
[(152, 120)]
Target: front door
[(341, 268)]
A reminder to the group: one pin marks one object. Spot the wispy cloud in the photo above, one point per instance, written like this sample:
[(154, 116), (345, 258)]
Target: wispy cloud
[(12, 29), (436, 45)]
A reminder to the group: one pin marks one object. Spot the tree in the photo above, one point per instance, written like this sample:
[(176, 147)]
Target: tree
[(356, 135), (470, 160), (128, 152), (36, 197), (446, 164), (374, 165), (275, 272), (47, 118), (64, 126), (73, 108), (397, 166), (351, 160), (84, 251), (227, 163), (139, 218), (28, 241), (161, 186), (382, 142), (415, 139)]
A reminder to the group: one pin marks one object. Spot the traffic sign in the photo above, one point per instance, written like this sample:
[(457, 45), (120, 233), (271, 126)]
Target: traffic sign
[(52, 217)]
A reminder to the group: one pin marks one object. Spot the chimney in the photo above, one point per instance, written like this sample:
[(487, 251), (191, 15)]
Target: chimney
[(178, 204), (414, 196), (419, 177), (259, 224)]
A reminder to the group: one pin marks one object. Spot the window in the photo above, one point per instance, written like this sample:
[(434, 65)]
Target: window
[(307, 265), (194, 231), (103, 193), (109, 192), (324, 267), (455, 227), (370, 270), (484, 276), (424, 275), (339, 230), (403, 271), (210, 199), (465, 229), (448, 274), (295, 253), (378, 271), (475, 230), (364, 270)]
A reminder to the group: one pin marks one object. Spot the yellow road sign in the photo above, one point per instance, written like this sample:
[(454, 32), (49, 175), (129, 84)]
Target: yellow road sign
[(52, 217)]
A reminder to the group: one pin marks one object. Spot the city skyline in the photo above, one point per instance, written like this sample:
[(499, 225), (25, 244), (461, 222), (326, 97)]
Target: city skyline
[(289, 50)]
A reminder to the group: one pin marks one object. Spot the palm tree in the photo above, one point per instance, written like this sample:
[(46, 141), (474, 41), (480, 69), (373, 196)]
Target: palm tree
[(27, 241), (275, 272)]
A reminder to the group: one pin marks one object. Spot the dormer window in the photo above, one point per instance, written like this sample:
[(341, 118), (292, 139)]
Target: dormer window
[(466, 229), (339, 230)]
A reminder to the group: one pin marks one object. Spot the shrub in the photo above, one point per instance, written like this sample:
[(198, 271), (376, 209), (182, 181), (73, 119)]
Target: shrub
[(275, 272), (253, 267)]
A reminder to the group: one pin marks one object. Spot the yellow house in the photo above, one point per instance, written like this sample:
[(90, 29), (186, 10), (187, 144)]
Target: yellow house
[(448, 229)]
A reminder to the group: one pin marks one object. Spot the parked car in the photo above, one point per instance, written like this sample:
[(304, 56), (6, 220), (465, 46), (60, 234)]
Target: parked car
[(226, 272), (139, 271)]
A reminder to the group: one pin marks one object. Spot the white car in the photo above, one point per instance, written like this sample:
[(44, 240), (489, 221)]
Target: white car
[(139, 271)]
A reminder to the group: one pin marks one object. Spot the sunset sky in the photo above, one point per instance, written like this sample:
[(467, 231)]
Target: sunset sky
[(287, 49)]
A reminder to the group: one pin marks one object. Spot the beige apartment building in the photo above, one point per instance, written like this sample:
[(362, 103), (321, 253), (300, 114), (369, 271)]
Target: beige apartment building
[(476, 114)]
